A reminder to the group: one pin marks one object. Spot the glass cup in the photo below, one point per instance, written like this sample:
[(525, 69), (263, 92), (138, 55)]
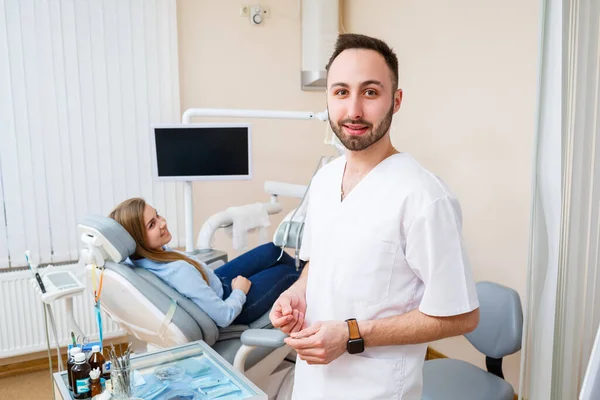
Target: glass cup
[(122, 383)]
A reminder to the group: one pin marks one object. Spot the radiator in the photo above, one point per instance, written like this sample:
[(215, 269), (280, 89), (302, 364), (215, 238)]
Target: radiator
[(22, 328)]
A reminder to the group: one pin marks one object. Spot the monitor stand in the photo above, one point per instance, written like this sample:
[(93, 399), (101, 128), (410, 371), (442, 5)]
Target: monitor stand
[(207, 256), (210, 254), (189, 216)]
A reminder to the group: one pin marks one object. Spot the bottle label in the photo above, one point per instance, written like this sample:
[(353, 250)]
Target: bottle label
[(82, 385), (106, 368)]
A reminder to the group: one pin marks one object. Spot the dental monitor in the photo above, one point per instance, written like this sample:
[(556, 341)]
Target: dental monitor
[(191, 152)]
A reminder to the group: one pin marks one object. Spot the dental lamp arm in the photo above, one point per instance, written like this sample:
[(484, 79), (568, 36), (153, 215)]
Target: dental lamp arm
[(186, 118), (231, 113), (224, 219), (284, 189)]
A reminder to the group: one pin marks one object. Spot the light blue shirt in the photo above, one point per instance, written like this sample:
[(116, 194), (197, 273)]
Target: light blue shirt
[(185, 279)]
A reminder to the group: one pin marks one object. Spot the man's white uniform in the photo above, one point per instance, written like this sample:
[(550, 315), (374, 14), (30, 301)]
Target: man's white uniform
[(392, 245)]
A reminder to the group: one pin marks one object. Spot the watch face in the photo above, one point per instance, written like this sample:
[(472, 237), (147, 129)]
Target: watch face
[(356, 346)]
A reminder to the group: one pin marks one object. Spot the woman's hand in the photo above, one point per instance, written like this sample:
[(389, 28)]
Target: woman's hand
[(241, 283)]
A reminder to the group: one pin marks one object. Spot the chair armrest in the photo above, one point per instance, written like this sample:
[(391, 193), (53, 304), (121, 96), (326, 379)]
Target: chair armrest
[(263, 338)]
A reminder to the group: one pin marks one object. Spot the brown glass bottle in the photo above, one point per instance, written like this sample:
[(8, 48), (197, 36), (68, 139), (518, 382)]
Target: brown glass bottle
[(81, 378), (95, 386), (97, 360)]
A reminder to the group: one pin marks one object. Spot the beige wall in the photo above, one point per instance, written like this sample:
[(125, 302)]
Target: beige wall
[(468, 70), (226, 62)]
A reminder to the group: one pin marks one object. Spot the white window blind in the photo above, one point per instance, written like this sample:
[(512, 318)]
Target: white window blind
[(81, 82)]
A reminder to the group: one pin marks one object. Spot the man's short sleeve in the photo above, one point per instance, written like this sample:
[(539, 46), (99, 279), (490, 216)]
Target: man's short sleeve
[(305, 249), (435, 252)]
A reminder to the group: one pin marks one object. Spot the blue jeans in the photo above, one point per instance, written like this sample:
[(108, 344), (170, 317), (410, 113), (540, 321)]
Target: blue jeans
[(269, 279)]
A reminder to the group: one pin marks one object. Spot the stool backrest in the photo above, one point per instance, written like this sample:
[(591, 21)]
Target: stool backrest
[(500, 326)]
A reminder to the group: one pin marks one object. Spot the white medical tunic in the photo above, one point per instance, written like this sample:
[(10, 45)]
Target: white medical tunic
[(392, 245)]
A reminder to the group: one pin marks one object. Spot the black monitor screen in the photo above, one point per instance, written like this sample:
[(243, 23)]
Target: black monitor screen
[(202, 151)]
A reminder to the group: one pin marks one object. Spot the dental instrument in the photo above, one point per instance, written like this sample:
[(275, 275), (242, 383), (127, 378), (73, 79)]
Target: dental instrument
[(298, 226), (34, 270)]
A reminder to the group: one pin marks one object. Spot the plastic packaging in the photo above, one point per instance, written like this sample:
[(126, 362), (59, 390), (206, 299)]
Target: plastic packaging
[(150, 390), (207, 382), (170, 373), (218, 391), (183, 394), (194, 367)]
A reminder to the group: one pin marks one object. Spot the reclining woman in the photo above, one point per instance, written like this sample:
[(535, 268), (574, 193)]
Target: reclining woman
[(238, 292)]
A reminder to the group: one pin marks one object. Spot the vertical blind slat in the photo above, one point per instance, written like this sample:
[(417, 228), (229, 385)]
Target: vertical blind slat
[(50, 136), (20, 206), (82, 83), (7, 126), (38, 186)]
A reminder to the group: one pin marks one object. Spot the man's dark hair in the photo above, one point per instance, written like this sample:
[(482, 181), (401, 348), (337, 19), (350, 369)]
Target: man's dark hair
[(347, 41)]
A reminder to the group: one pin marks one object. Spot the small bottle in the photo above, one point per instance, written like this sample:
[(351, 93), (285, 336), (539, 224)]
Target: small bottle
[(81, 377), (70, 363), (95, 385)]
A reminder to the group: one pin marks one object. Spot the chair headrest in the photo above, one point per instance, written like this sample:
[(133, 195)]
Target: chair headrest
[(108, 235)]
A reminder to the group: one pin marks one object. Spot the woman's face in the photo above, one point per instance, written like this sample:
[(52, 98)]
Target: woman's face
[(157, 233)]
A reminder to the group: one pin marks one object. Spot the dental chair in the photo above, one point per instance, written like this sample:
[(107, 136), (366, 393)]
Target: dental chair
[(497, 335), (152, 313)]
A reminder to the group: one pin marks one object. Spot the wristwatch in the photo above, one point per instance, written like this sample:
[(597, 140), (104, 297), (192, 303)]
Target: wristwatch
[(356, 344)]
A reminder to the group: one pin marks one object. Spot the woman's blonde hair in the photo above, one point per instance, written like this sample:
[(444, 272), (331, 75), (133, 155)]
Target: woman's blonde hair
[(130, 214)]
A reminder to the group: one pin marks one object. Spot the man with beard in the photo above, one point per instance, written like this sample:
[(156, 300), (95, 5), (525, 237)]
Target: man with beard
[(387, 271)]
